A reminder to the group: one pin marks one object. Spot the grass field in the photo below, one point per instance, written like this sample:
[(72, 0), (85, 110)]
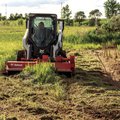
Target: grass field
[(90, 95)]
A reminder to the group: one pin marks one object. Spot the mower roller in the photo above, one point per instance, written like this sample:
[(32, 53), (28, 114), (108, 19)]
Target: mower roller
[(42, 42)]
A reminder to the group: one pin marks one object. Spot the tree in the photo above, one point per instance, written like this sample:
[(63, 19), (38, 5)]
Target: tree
[(111, 8), (66, 14), (94, 15), (26, 16), (16, 16), (12, 17), (79, 16), (118, 8), (3, 18), (20, 16)]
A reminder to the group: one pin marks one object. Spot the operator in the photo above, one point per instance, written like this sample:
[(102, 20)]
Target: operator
[(41, 25), (45, 34), (40, 35)]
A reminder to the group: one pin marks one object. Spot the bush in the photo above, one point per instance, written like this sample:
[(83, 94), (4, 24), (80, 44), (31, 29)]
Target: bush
[(92, 22), (113, 25), (93, 37)]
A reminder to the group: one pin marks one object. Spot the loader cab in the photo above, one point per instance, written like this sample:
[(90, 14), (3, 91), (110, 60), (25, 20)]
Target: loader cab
[(42, 36), (42, 33)]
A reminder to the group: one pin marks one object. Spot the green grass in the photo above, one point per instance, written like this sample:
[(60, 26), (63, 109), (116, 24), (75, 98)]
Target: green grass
[(10, 42)]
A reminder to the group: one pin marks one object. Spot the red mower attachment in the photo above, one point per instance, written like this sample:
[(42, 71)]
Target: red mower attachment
[(61, 64)]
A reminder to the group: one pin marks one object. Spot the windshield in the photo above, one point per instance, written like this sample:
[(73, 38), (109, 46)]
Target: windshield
[(42, 31)]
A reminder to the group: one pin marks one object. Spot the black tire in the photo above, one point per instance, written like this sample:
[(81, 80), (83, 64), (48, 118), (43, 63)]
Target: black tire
[(21, 54)]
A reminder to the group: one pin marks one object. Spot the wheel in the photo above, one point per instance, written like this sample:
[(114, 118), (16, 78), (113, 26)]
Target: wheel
[(21, 54)]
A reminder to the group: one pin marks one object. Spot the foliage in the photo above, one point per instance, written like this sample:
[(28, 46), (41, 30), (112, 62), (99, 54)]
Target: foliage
[(96, 36), (101, 37), (113, 25), (94, 21), (79, 16), (94, 15), (66, 14), (3, 18), (111, 8), (17, 16)]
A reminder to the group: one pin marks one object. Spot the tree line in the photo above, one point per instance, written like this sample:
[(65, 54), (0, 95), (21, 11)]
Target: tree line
[(15, 16), (112, 8)]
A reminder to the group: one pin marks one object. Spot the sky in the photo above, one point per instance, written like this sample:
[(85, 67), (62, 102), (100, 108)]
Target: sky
[(50, 6)]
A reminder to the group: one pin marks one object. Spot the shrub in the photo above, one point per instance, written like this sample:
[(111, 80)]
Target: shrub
[(93, 37), (92, 22), (113, 25)]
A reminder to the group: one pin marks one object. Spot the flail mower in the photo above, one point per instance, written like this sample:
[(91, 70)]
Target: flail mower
[(42, 42)]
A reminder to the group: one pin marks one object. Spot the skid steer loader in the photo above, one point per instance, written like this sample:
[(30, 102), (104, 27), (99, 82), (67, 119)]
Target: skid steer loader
[(42, 42)]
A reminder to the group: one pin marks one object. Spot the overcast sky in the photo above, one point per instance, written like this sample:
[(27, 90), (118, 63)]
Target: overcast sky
[(50, 6)]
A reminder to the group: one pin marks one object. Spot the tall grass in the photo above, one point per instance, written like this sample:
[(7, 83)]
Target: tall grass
[(40, 73), (10, 42), (90, 36), (74, 35), (43, 74)]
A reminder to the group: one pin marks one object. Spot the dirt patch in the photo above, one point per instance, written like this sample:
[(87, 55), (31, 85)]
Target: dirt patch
[(36, 111)]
